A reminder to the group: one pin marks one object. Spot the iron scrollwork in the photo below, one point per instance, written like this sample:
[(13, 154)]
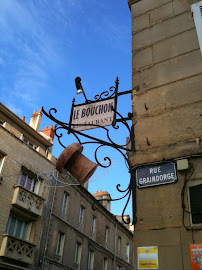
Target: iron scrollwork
[(101, 143)]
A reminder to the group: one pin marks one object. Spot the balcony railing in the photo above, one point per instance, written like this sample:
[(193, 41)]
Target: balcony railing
[(28, 200), (17, 249)]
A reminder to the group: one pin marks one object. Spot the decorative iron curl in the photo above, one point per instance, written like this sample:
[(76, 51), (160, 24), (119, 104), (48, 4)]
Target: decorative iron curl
[(106, 94), (105, 158), (120, 148)]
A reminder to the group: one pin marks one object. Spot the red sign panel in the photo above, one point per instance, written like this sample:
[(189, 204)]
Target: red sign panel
[(196, 256)]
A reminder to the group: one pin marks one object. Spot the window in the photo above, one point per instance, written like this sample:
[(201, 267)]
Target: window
[(29, 182), (127, 252), (197, 13), (64, 205), (2, 158), (18, 228), (60, 245), (195, 193), (119, 246), (91, 260), (77, 258), (81, 215), (93, 227), (28, 142), (106, 236), (105, 264)]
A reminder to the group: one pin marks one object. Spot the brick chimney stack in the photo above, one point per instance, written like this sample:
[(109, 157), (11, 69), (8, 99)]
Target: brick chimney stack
[(35, 120), (49, 132)]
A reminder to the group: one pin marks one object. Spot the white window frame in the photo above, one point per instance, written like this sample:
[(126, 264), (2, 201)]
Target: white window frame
[(34, 185), (197, 14), (93, 224), (60, 245), (127, 253), (26, 141), (77, 257), (26, 226), (65, 202), (105, 264), (191, 184), (2, 160), (106, 236), (91, 256), (81, 217)]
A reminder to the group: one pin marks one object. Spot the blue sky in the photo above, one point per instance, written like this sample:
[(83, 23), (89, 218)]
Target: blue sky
[(46, 44)]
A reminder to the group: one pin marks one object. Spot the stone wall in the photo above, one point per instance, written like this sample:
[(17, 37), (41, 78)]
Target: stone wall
[(167, 67)]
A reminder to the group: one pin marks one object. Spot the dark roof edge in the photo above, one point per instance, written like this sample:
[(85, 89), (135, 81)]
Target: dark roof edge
[(103, 208), (130, 2), (24, 125)]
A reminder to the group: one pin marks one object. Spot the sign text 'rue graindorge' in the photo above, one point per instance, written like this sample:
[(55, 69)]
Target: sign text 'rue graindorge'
[(156, 175)]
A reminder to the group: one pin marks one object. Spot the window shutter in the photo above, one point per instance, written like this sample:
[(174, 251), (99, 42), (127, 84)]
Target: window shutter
[(197, 13)]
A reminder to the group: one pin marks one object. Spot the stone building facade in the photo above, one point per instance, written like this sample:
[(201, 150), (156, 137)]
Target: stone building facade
[(48, 220), (83, 234), (166, 102), (24, 153)]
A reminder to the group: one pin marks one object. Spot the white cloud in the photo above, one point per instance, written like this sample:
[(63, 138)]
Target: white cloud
[(30, 48)]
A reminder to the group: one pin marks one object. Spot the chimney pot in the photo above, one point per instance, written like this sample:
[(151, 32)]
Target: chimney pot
[(35, 120)]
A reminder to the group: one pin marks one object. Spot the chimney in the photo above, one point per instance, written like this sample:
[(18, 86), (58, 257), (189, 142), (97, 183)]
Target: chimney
[(35, 120), (49, 132), (105, 199)]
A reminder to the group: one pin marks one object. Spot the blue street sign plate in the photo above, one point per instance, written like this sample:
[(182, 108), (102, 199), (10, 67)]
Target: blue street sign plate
[(156, 175)]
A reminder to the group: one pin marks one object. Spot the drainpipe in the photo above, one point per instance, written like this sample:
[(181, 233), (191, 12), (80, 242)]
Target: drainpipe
[(115, 236), (49, 221), (42, 228)]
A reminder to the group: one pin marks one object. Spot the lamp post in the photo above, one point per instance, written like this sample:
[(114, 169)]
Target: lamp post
[(79, 88)]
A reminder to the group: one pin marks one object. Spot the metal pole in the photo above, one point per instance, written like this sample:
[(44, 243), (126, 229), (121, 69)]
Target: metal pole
[(42, 228), (49, 221), (134, 204)]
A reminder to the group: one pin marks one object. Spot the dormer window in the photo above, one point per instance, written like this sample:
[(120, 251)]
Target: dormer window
[(28, 143)]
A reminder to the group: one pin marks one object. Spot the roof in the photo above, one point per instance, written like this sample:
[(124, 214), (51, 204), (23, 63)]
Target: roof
[(24, 125)]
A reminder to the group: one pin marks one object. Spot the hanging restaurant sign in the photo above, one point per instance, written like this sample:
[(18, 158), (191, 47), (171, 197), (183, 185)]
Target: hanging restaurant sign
[(156, 175), (92, 115)]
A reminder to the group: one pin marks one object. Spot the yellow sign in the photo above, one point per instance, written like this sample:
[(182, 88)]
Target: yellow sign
[(147, 257)]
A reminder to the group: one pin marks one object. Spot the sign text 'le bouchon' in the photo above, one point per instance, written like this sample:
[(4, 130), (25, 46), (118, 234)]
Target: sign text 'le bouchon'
[(98, 113)]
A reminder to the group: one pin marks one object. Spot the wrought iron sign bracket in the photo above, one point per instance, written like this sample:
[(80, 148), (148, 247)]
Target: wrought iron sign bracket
[(72, 128)]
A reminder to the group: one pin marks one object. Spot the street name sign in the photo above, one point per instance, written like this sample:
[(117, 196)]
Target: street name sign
[(156, 175)]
